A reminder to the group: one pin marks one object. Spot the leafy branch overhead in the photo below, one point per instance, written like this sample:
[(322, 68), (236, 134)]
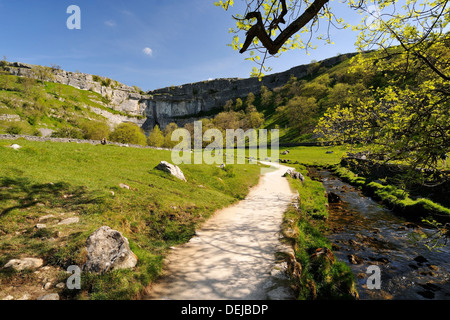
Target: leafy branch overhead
[(274, 26)]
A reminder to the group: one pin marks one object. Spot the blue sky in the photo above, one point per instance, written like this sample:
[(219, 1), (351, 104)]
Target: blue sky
[(148, 43)]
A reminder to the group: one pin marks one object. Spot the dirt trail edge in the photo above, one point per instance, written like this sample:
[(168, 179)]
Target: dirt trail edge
[(232, 257)]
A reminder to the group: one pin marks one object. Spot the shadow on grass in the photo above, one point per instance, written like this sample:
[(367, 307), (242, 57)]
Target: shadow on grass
[(22, 193)]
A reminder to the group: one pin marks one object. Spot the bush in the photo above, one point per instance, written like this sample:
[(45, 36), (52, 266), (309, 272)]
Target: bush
[(14, 129), (68, 132), (95, 130), (128, 133)]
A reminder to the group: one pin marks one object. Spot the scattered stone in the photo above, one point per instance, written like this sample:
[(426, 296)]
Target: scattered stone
[(26, 263), (107, 250), (41, 226), (61, 285), (112, 193), (294, 175), (48, 286), (334, 198), (222, 166), (433, 267), (354, 259), (51, 296), (286, 153), (124, 186), (335, 247), (46, 218), (420, 259), (172, 169), (16, 147), (69, 221)]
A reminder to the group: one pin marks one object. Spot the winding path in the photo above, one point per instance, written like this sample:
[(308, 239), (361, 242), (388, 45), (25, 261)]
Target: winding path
[(232, 257)]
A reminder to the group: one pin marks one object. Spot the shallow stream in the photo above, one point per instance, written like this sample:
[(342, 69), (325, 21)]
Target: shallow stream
[(364, 233)]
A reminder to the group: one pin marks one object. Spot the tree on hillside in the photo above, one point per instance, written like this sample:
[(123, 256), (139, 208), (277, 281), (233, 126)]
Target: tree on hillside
[(266, 96), (239, 104), (229, 106), (156, 138), (168, 131)]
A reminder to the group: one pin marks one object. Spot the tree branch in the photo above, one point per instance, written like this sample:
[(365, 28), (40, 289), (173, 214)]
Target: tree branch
[(273, 46)]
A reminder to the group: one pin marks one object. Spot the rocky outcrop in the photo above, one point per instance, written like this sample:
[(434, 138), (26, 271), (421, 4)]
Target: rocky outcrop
[(108, 250), (121, 97)]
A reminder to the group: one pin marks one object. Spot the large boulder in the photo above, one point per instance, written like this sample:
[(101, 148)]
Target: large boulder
[(108, 250), (295, 175), (172, 169)]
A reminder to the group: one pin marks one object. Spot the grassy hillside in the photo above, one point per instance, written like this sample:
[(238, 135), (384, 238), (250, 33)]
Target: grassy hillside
[(81, 180), (27, 105)]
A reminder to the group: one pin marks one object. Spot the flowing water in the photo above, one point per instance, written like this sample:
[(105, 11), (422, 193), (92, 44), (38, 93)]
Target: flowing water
[(364, 233)]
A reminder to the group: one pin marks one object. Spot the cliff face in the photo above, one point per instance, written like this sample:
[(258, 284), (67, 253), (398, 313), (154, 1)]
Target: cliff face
[(183, 104), (179, 104)]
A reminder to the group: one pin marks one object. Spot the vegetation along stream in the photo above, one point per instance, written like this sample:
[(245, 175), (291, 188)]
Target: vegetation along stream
[(364, 233)]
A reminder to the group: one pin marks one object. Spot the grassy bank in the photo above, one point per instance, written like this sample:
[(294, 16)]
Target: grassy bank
[(322, 276), (64, 180), (395, 198)]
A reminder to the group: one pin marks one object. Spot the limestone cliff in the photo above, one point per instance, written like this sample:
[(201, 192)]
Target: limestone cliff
[(179, 104)]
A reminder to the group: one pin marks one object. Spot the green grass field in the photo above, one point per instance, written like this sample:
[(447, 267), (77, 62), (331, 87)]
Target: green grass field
[(159, 211)]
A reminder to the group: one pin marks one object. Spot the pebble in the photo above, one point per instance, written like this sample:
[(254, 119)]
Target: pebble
[(61, 285), (48, 286)]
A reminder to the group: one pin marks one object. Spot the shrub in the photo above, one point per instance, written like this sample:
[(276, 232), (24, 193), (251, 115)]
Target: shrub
[(106, 82), (95, 130), (68, 132), (128, 133), (14, 129)]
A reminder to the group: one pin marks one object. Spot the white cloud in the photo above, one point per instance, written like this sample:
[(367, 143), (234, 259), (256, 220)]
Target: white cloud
[(110, 23), (148, 51)]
